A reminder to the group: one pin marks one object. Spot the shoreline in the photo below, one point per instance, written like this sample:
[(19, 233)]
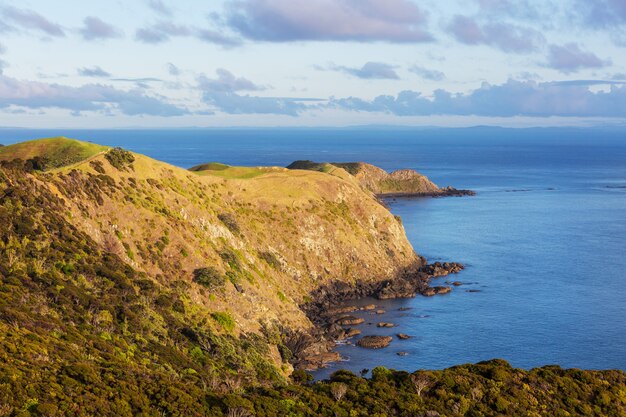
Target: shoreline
[(333, 323)]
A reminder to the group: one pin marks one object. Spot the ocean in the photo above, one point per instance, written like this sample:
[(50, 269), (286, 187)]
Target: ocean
[(543, 241)]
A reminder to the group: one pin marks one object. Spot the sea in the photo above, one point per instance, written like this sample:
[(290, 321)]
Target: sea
[(543, 240)]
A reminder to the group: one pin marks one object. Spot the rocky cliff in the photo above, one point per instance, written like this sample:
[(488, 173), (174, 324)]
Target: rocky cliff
[(380, 182)]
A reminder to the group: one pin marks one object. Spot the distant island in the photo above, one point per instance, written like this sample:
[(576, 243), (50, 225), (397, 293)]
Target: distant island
[(134, 287)]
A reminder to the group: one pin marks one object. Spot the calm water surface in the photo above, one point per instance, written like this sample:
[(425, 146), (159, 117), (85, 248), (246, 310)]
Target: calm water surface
[(544, 241)]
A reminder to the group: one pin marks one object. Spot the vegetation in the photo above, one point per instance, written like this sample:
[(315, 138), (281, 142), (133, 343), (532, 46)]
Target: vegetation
[(85, 332), (120, 158), (52, 153)]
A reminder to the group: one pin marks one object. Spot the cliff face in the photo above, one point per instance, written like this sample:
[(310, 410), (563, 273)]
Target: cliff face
[(250, 243), (377, 180)]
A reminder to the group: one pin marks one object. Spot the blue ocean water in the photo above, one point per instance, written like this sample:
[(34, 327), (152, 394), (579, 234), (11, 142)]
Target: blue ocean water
[(544, 240)]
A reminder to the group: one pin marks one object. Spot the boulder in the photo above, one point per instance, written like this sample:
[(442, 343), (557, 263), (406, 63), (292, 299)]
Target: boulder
[(349, 321), (374, 342), (403, 336), (385, 324)]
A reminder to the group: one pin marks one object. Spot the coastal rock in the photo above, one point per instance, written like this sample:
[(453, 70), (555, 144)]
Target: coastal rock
[(457, 283), (402, 353), (380, 311), (385, 324), (314, 362), (403, 336), (369, 307), (374, 342), (349, 321), (352, 332), (442, 289)]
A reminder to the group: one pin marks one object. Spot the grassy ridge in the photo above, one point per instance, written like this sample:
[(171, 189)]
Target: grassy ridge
[(56, 152)]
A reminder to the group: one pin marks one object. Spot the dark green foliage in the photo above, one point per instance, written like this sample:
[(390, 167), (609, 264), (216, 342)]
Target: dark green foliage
[(120, 158), (230, 222), (209, 277), (271, 259)]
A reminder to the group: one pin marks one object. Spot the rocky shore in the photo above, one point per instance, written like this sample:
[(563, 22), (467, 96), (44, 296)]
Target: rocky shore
[(335, 324), (442, 192)]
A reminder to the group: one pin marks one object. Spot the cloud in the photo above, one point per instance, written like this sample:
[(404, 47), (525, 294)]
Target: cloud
[(173, 69), (223, 93), (89, 97), (428, 74), (515, 8), (329, 20), (29, 19), (3, 49), (164, 31), (370, 70), (513, 98), (570, 58), (94, 28), (602, 13), (159, 7), (93, 72), (226, 82), (506, 37)]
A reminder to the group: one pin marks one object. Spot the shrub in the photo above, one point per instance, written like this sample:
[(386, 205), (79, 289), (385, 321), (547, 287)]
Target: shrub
[(209, 277), (224, 319), (271, 259), (120, 158), (230, 222)]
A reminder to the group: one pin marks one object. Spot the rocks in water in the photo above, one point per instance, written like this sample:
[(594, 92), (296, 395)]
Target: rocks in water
[(369, 307), (457, 283), (374, 342), (403, 336), (352, 332), (472, 290), (402, 353), (439, 269), (319, 360), (430, 291), (380, 311), (349, 321), (385, 324), (405, 308)]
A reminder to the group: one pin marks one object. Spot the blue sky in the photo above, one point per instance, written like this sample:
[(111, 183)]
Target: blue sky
[(158, 63)]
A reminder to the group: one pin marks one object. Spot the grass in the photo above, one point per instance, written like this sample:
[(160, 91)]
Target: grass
[(228, 172), (58, 152)]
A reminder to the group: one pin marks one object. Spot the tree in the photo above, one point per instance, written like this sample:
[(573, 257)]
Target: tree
[(338, 390), (420, 381)]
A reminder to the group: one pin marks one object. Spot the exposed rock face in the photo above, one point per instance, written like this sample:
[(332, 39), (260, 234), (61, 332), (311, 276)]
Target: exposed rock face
[(400, 183), (374, 342)]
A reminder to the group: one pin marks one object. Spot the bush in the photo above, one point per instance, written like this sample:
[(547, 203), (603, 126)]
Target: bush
[(225, 320), (120, 158), (209, 277), (230, 222), (271, 259)]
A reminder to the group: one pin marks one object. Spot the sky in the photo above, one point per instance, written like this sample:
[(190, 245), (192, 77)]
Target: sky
[(191, 63)]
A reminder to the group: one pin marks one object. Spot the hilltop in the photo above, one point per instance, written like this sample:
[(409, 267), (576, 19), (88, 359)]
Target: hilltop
[(403, 182)]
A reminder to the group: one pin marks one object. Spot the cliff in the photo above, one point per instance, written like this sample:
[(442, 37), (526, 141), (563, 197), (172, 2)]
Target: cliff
[(380, 182)]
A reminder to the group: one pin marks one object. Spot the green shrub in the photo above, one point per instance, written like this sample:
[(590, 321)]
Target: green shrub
[(209, 277), (224, 319), (230, 222), (120, 158)]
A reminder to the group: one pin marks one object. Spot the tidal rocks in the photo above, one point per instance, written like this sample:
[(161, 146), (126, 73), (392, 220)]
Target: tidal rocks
[(319, 360), (439, 269), (430, 291), (380, 311), (352, 332), (403, 336), (374, 342), (369, 307), (385, 324), (402, 353), (349, 321)]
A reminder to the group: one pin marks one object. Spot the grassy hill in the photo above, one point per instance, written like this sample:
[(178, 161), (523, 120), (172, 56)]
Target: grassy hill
[(52, 152), (133, 287), (375, 179)]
